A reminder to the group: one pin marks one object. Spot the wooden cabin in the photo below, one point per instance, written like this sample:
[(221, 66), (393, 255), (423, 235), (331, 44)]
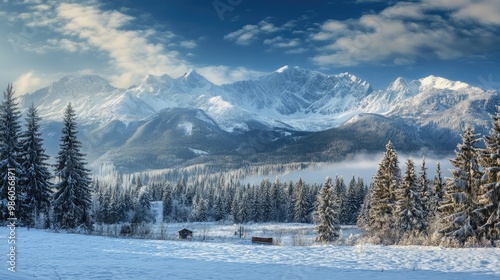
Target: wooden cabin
[(262, 240), (185, 234)]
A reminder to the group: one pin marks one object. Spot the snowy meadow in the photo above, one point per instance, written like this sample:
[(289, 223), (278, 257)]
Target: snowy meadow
[(44, 255)]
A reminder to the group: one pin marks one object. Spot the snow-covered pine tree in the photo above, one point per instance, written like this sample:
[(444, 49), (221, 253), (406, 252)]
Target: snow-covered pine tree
[(10, 151), (339, 190), (219, 213), (457, 218), (364, 212), (72, 199), (350, 204), (142, 208), (381, 216), (409, 214), (36, 206), (265, 200), (278, 201), (327, 213), (256, 213), (244, 209), (437, 189), (488, 198), (235, 206), (425, 191), (167, 203), (301, 203), (103, 207), (200, 209), (354, 200)]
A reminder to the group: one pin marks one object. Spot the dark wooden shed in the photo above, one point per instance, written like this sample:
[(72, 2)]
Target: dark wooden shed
[(185, 234)]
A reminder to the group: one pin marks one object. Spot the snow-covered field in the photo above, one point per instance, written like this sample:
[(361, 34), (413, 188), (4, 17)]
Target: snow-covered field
[(47, 255)]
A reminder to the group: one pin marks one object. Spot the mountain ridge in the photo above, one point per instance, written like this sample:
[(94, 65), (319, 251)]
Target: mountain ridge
[(286, 115)]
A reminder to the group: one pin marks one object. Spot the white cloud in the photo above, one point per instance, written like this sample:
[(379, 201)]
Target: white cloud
[(410, 30), (296, 51), (131, 54), (221, 74), (280, 42), (188, 44), (250, 33), (27, 83), (244, 36), (68, 45), (485, 12)]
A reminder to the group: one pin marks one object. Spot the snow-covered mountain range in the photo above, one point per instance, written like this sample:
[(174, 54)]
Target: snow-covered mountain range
[(287, 101)]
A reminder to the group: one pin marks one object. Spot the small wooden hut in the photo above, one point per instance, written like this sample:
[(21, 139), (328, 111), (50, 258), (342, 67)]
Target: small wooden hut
[(185, 234)]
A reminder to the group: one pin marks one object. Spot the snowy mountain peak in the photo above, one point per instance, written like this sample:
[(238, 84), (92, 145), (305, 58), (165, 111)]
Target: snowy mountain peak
[(399, 84), (194, 79), (73, 85), (281, 69), (442, 83), (404, 87), (154, 79), (351, 77)]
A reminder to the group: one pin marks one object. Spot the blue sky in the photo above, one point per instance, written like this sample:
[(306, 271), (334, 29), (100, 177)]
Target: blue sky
[(230, 40)]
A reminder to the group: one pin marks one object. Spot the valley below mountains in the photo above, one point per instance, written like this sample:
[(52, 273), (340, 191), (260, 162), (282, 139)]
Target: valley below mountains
[(290, 115)]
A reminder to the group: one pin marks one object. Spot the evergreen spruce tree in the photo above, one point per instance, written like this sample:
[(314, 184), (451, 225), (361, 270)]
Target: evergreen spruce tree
[(353, 202), (34, 162), (10, 153), (142, 207), (72, 199), (256, 206), (265, 200), (219, 213), (424, 190), (437, 190), (381, 216), (200, 209), (167, 204), (339, 190), (456, 211), (235, 207), (327, 213), (301, 203), (244, 209), (349, 203), (488, 199), (409, 213), (364, 212)]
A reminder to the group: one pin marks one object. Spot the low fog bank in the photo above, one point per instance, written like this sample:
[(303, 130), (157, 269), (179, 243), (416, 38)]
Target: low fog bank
[(364, 166)]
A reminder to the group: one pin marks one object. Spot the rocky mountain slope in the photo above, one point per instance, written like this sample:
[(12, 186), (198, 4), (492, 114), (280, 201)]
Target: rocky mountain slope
[(287, 115)]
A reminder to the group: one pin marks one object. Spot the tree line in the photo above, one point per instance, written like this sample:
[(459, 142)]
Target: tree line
[(396, 208), (223, 201), (43, 199), (461, 210)]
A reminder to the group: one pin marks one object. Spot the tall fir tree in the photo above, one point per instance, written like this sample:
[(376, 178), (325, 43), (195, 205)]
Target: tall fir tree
[(382, 197), (354, 200), (425, 191), (36, 206), (437, 190), (457, 218), (167, 203), (351, 203), (340, 191), (10, 154), (488, 198), (409, 213), (364, 212), (142, 207), (327, 213), (301, 203), (71, 202)]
